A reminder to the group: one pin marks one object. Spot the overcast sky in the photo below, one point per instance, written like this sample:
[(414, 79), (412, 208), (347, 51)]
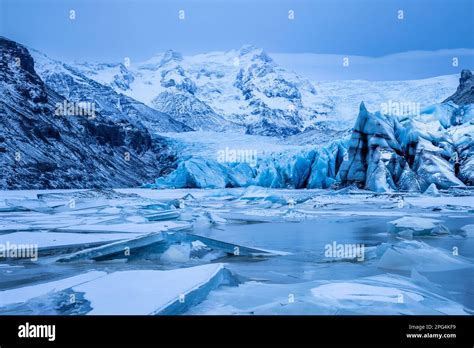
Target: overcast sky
[(113, 29), (109, 30)]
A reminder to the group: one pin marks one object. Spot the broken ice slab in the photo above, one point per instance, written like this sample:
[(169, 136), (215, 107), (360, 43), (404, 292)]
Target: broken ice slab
[(79, 205), (229, 248), (383, 295), (11, 209), (158, 243), (53, 242), (271, 216), (468, 230), (37, 221), (145, 292), (165, 215), (418, 226), (123, 248), (28, 205), (155, 206), (15, 227), (21, 295), (445, 202), (128, 227), (416, 255)]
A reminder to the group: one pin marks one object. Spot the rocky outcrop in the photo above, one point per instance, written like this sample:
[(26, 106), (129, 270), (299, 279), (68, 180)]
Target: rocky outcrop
[(465, 93), (41, 148)]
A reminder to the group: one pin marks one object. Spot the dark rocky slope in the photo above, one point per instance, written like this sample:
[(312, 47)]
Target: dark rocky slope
[(40, 149)]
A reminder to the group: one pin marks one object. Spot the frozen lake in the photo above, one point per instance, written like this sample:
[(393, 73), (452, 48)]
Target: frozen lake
[(266, 251)]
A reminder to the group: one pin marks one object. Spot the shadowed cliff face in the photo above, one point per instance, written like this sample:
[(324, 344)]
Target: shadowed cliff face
[(465, 92), (41, 148)]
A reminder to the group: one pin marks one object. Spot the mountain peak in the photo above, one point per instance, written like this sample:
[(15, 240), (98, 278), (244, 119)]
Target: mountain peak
[(18, 54), (171, 55), (465, 92), (255, 53), (246, 49)]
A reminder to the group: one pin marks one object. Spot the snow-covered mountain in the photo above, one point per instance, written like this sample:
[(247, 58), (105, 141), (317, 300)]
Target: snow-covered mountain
[(242, 89), (246, 90), (75, 86), (43, 148)]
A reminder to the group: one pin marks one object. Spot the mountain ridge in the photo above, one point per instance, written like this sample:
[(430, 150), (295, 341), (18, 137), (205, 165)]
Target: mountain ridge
[(40, 148)]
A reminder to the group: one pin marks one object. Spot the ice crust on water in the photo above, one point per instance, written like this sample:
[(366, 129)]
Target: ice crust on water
[(390, 294), (128, 227), (57, 240), (384, 294), (129, 292), (361, 292), (416, 255), (221, 208)]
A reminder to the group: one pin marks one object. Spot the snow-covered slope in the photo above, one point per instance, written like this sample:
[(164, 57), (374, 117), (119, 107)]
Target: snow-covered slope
[(346, 95)]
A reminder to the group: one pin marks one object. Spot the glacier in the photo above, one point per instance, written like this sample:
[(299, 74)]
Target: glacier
[(384, 153)]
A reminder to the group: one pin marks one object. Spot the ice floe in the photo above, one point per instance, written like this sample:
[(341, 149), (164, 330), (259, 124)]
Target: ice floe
[(417, 225), (416, 255), (383, 295), (20, 295), (152, 292)]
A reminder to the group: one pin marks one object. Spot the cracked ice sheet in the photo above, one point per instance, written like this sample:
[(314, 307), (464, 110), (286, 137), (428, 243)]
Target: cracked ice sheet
[(389, 294), (20, 295), (129, 227), (34, 221), (422, 201), (46, 240), (169, 194), (409, 255), (144, 291)]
